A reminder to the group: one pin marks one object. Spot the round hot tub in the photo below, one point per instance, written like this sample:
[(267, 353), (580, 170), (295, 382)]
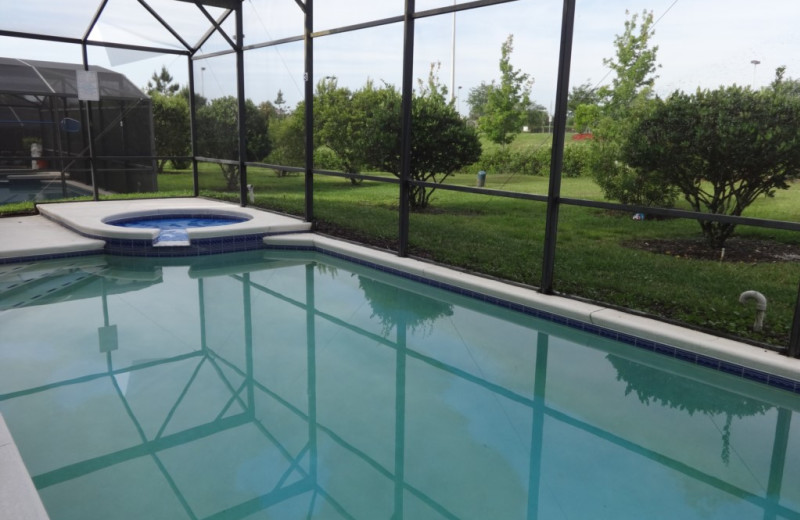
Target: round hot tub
[(172, 227), (165, 222)]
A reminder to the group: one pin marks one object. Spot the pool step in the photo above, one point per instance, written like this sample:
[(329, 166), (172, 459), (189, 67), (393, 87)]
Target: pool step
[(172, 238)]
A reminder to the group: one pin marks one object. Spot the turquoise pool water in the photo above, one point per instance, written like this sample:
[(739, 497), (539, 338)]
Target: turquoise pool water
[(35, 190), (294, 385), (172, 228)]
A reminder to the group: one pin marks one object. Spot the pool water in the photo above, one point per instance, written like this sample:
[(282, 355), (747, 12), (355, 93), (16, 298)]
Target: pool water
[(181, 222), (296, 385), (172, 229), (22, 191)]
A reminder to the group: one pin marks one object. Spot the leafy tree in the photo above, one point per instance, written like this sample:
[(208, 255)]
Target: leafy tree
[(537, 118), (338, 125), (378, 134), (634, 66), (622, 104), (162, 82), (586, 117), (218, 134), (171, 127), (477, 99), (280, 103), (287, 135), (785, 85), (198, 99), (441, 143), (583, 94), (504, 113), (722, 149), (583, 107), (363, 129)]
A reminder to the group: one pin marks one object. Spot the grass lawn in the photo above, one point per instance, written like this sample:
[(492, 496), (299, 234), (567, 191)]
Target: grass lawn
[(594, 260)]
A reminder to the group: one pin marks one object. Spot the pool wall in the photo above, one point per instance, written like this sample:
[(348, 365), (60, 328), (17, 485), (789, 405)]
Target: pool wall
[(725, 355)]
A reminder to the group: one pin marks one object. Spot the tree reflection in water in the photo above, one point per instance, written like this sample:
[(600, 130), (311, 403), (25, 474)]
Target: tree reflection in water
[(673, 391), (392, 305)]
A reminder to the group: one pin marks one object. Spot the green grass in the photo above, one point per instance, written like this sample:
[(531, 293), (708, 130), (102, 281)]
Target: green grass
[(504, 238)]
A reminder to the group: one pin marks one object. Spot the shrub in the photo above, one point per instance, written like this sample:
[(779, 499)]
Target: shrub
[(503, 160), (576, 159), (327, 159)]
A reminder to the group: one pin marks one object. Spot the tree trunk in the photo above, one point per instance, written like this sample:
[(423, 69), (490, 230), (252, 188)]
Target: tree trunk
[(716, 233)]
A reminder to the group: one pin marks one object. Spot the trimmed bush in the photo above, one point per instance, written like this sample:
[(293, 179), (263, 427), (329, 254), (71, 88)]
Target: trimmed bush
[(576, 159)]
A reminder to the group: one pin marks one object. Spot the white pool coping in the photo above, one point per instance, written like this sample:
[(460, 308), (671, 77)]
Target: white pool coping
[(18, 497), (646, 328), (90, 218)]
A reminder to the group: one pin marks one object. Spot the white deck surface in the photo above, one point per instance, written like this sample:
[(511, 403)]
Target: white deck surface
[(61, 226), (90, 218)]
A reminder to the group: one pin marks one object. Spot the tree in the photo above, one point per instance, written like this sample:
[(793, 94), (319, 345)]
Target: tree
[(280, 103), (170, 127), (622, 104), (170, 118), (477, 99), (785, 85), (441, 143), (218, 134), (586, 117), (583, 107), (287, 135), (722, 149), (162, 82), (338, 125), (537, 118), (504, 113), (634, 66), (583, 94), (363, 129), (198, 99)]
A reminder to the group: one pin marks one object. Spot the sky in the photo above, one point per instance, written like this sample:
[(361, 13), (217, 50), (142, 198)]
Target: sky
[(701, 43)]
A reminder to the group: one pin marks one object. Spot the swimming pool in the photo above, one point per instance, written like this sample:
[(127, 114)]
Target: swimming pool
[(22, 190), (294, 385)]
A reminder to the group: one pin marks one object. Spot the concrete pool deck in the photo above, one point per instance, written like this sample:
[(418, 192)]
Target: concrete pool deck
[(79, 227)]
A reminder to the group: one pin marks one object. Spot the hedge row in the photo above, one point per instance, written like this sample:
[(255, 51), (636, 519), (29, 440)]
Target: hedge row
[(531, 162)]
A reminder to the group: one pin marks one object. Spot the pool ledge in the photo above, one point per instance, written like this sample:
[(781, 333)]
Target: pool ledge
[(700, 348), (18, 497), (89, 218)]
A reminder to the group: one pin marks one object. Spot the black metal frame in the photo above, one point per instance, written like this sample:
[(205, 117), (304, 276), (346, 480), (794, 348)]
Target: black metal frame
[(553, 198)]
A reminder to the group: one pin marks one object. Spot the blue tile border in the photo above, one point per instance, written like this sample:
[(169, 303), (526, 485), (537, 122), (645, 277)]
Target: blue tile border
[(727, 367)]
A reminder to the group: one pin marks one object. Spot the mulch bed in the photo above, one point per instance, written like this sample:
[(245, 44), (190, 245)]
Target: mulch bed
[(737, 249)]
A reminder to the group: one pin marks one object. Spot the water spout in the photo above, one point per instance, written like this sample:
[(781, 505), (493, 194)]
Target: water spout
[(761, 307)]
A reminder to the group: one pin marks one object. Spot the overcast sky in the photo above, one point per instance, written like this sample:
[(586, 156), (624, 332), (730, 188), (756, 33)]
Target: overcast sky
[(702, 43)]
